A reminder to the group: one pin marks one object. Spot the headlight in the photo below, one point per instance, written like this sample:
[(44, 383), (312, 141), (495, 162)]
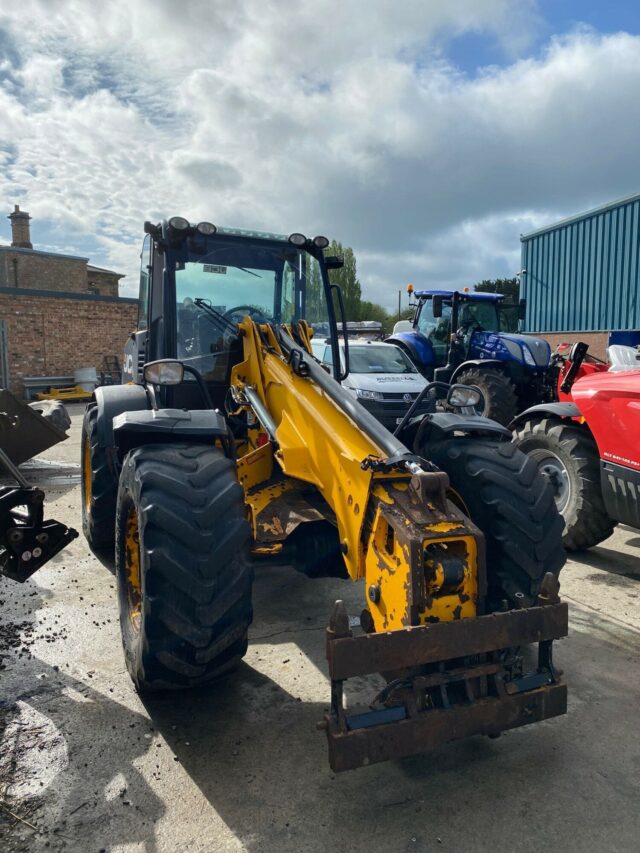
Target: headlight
[(321, 242), (363, 394), (528, 356), (206, 228), (179, 223), (298, 239), (514, 349)]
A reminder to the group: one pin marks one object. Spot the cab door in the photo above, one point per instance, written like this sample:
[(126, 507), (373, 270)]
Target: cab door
[(135, 350)]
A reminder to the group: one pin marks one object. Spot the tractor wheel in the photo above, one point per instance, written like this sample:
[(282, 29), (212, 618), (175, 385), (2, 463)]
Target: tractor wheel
[(54, 412), (182, 565), (500, 400), (99, 486), (568, 456), (500, 490)]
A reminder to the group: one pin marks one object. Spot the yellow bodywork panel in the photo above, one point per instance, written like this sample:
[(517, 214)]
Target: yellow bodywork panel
[(256, 466), (419, 568), (419, 554), (278, 507), (317, 442)]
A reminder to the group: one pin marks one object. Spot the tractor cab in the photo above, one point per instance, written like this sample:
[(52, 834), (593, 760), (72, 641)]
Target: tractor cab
[(197, 283), (473, 338), (474, 317)]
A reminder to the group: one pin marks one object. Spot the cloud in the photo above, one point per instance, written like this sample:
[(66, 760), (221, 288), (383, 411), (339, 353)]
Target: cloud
[(344, 119)]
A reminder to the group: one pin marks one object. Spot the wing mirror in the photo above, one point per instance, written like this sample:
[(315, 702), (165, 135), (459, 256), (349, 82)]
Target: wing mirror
[(465, 397), (165, 372)]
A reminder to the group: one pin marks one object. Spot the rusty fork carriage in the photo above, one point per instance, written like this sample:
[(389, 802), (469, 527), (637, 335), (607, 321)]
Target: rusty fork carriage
[(457, 679)]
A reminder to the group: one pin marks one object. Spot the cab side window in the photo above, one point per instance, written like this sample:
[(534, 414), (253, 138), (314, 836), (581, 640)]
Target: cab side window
[(327, 358), (145, 284)]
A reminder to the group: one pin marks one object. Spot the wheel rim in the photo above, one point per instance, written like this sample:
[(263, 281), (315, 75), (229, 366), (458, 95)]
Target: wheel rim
[(86, 473), (555, 471), (133, 578)]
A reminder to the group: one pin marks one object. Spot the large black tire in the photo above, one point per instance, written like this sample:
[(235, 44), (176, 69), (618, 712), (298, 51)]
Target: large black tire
[(500, 399), (99, 486), (54, 412), (185, 615), (568, 456), (503, 494)]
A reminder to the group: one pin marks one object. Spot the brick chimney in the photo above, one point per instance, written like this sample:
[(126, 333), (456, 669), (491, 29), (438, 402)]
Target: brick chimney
[(20, 232)]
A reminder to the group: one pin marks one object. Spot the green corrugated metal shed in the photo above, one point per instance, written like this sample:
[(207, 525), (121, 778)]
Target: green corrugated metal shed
[(583, 273)]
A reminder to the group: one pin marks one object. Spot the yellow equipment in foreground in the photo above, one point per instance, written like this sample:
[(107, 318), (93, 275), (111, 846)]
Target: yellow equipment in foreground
[(233, 445)]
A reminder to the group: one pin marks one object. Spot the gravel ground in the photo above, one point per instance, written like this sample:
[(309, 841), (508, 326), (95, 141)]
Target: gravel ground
[(87, 765)]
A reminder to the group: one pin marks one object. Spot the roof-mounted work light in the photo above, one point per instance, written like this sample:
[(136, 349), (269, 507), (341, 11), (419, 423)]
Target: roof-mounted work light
[(206, 228), (179, 223), (298, 239), (320, 242)]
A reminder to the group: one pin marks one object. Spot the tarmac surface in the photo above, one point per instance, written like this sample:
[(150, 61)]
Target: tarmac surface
[(88, 765)]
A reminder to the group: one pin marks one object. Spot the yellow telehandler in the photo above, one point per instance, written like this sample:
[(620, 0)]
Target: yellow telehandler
[(228, 444)]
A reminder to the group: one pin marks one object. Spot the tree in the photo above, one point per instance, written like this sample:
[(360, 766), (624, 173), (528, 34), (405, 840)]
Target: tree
[(510, 287), (355, 307), (346, 278)]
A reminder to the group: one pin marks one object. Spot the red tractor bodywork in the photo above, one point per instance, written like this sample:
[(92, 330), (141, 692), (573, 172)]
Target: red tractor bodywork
[(588, 443), (610, 406), (587, 368)]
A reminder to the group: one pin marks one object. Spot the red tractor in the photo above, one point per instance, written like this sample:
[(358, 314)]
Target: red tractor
[(588, 445)]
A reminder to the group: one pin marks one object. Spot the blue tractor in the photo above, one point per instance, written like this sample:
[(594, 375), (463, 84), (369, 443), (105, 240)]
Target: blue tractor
[(472, 338)]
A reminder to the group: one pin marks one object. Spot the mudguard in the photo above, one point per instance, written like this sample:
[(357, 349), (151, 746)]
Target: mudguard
[(482, 363), (443, 423), (558, 410), (133, 429), (418, 347), (112, 401)]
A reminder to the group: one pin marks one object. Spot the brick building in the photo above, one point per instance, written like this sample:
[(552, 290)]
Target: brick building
[(58, 313)]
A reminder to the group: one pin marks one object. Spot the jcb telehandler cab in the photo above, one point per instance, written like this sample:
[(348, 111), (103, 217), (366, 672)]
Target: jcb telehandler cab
[(232, 445)]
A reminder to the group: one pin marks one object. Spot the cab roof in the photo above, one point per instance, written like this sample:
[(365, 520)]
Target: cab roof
[(447, 294)]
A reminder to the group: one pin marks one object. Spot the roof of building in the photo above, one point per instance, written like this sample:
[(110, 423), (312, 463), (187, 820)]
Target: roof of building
[(91, 268), (569, 220), (7, 247)]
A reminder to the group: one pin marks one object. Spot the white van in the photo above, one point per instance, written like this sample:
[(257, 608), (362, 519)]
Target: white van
[(381, 376)]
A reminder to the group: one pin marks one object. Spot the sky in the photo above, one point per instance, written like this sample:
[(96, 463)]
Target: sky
[(428, 134)]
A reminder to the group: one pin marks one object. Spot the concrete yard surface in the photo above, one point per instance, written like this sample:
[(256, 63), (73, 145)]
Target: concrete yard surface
[(86, 764)]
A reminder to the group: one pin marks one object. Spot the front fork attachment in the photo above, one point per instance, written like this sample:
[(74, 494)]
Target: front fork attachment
[(448, 680)]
